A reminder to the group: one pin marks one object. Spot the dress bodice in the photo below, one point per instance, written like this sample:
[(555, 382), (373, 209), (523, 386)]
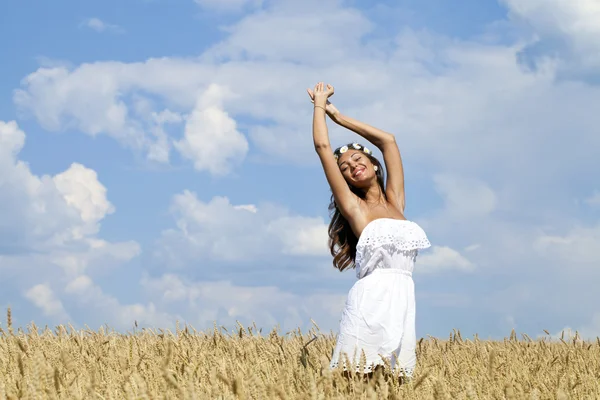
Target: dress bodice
[(389, 243)]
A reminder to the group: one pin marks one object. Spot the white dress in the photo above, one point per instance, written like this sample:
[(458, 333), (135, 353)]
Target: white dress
[(379, 315)]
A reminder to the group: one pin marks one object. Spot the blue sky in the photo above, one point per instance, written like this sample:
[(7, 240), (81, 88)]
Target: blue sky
[(156, 160)]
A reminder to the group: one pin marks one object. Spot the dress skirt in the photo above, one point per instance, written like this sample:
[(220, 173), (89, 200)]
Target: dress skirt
[(379, 320)]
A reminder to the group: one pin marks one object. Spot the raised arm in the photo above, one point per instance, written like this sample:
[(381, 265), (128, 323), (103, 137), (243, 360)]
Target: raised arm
[(346, 201), (386, 142)]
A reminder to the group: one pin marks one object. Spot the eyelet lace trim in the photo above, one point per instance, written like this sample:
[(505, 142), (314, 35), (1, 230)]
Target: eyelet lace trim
[(407, 372), (394, 236)]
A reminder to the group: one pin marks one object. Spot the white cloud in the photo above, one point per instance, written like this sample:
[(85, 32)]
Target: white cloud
[(565, 29), (588, 331), (441, 258), (221, 231), (40, 212), (49, 228), (12, 140), (472, 247), (91, 98), (104, 307), (228, 5), (444, 299), (578, 246), (208, 301), (292, 31), (300, 235), (505, 138), (211, 139), (591, 330), (503, 237), (466, 215), (100, 26), (465, 198), (44, 298), (594, 199), (99, 256), (447, 112), (248, 207), (81, 190), (92, 104)]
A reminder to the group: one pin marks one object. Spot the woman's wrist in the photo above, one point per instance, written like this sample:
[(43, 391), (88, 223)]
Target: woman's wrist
[(320, 102), (334, 114)]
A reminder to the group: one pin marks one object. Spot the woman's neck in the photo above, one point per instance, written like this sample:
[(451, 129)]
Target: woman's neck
[(374, 195)]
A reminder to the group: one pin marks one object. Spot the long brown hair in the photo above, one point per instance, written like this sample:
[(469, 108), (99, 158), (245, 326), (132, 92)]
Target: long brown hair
[(342, 240)]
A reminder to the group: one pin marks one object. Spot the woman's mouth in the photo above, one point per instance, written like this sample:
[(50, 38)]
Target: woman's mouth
[(359, 172)]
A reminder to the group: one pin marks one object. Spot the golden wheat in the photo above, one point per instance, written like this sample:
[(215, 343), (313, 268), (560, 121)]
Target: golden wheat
[(247, 364)]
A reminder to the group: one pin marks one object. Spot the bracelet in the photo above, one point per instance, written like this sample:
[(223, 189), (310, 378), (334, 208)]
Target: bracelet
[(321, 107)]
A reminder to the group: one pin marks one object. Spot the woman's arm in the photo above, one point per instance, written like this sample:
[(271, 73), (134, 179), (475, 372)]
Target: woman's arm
[(386, 142), (346, 201), (374, 135)]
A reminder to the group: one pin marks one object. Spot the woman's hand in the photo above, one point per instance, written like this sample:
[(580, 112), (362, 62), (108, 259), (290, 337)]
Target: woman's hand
[(322, 95)]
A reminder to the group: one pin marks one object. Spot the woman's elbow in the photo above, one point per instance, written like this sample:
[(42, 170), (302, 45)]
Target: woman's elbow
[(389, 138), (322, 146)]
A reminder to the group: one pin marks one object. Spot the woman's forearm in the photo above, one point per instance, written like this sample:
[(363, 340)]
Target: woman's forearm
[(320, 132), (372, 134)]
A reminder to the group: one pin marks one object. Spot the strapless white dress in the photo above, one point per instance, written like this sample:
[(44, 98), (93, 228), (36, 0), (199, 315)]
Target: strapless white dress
[(379, 315)]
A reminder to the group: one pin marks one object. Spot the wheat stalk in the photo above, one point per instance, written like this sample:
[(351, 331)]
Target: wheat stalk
[(244, 363)]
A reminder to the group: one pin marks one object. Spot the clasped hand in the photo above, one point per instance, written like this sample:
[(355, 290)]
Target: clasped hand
[(319, 96)]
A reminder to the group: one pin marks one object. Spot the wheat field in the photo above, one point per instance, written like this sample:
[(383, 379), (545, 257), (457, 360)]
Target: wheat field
[(246, 363)]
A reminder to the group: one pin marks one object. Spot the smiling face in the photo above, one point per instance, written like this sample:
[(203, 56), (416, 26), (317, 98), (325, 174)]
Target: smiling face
[(357, 168)]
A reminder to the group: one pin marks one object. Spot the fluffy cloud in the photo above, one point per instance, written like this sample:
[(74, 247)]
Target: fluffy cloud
[(577, 248), (221, 231), (63, 99), (586, 331), (518, 258), (61, 248), (228, 5), (264, 245), (41, 212), (211, 139), (464, 197), (565, 31), (228, 247), (591, 330), (81, 190), (311, 39), (100, 26), (443, 258), (96, 255), (438, 112), (90, 101), (506, 139), (44, 298), (49, 227), (207, 301), (92, 298), (594, 199)]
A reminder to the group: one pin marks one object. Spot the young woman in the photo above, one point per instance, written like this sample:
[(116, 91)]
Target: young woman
[(368, 232)]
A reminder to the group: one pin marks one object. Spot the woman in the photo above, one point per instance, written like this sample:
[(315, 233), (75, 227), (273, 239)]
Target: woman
[(368, 232)]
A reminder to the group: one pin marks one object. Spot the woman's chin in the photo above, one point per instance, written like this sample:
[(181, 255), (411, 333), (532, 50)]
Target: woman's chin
[(361, 183)]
